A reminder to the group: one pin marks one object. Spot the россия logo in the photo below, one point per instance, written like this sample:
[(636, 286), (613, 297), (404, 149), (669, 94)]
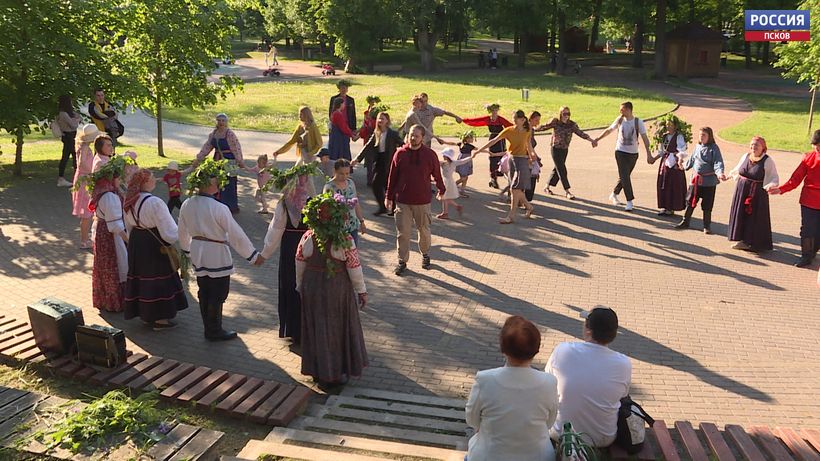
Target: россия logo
[(777, 25)]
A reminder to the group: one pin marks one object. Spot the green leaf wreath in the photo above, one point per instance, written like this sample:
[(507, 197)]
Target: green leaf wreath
[(372, 99), (279, 179), (492, 107), (659, 130), (466, 135), (326, 215), (377, 109), (114, 168), (209, 168)]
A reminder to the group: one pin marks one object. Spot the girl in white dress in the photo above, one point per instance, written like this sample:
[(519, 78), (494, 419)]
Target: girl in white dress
[(449, 162)]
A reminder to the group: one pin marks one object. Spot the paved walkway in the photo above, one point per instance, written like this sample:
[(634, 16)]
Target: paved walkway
[(713, 334)]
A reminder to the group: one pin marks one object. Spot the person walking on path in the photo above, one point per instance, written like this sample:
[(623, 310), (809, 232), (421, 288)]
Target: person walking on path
[(79, 195), (342, 184), (449, 163), (707, 163), (340, 134), (225, 145), (207, 232), (153, 291), (348, 104), (422, 113), (330, 281), (408, 186), (380, 148), (495, 124), (671, 178), (68, 120), (750, 223), (522, 155), (563, 129), (807, 172), (630, 128)]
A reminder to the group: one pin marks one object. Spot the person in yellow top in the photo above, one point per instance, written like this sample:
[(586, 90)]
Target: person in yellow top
[(104, 116), (308, 141), (521, 156)]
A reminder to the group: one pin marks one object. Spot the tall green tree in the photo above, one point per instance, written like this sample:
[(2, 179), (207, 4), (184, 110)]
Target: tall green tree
[(167, 50), (48, 51), (354, 24), (801, 60)]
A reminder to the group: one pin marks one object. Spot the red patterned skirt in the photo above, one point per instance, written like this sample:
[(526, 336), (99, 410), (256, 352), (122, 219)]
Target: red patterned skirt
[(106, 289)]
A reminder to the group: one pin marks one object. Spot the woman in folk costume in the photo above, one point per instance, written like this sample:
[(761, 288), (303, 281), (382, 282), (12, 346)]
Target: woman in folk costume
[(331, 284), (207, 232), (495, 124), (225, 145), (284, 232), (79, 195), (750, 223), (671, 178), (103, 151), (706, 163), (110, 254), (153, 291)]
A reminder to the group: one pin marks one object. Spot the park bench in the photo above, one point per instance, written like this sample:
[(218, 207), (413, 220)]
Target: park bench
[(23, 414), (233, 394)]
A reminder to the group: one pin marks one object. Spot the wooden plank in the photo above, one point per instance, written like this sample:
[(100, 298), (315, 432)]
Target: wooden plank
[(395, 407), (17, 406), (256, 448), (12, 329), (198, 390), (222, 390), (173, 376), (34, 355), (407, 398), (255, 399), (744, 443), (42, 423), (175, 390), (24, 346), (70, 368), (58, 362), (801, 450), (14, 341), (172, 442), (85, 373), (665, 443), (691, 441), (105, 375), (133, 372), (10, 395), (11, 426), (770, 444), (260, 415), (201, 446), (716, 443), (646, 454), (239, 395), (291, 408), (383, 432), (812, 436), (144, 381), (390, 419)]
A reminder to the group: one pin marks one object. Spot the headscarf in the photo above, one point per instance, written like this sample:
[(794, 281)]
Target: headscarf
[(102, 186), (761, 141), (295, 196), (142, 176)]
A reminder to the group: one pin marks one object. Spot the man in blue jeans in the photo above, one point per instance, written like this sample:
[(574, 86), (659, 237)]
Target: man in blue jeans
[(630, 128)]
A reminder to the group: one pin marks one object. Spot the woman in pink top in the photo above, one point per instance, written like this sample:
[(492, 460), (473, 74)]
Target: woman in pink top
[(80, 197)]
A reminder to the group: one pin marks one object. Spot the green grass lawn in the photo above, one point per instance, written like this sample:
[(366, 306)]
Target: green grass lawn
[(273, 106), (41, 158)]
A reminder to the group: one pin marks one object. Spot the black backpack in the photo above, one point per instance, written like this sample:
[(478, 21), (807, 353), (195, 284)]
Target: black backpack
[(632, 420)]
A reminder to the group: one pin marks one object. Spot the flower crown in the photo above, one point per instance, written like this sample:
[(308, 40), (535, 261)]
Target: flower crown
[(209, 168), (344, 82), (326, 215), (467, 134), (279, 179), (113, 169), (492, 107), (372, 99)]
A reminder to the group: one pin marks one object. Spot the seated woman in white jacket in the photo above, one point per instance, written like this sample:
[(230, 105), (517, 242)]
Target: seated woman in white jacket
[(512, 407)]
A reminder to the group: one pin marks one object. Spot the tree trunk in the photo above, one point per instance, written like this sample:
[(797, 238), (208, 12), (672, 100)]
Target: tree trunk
[(18, 153), (516, 42), (427, 45), (416, 41), (660, 40), (523, 47), (562, 43), (811, 107), (747, 50), (692, 10), (637, 44), (766, 53), (287, 40), (596, 24), (160, 149)]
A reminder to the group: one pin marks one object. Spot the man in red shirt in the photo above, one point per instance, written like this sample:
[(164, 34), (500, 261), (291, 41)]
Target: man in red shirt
[(807, 172), (409, 186)]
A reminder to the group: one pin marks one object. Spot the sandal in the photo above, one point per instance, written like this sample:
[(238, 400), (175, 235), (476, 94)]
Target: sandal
[(528, 214), (443, 216), (505, 221), (570, 196), (548, 190)]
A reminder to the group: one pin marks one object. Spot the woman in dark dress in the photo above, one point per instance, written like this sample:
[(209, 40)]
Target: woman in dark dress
[(286, 230), (671, 178), (750, 224), (225, 145), (153, 291), (330, 280)]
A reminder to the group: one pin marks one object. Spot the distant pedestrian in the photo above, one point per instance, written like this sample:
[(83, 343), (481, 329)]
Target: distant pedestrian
[(68, 120), (630, 128), (750, 223), (493, 55)]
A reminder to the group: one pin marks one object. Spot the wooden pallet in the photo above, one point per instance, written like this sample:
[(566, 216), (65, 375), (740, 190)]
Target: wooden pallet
[(23, 414), (239, 396)]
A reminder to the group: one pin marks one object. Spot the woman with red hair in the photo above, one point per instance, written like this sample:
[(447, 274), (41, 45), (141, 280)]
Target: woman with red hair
[(750, 223), (153, 290)]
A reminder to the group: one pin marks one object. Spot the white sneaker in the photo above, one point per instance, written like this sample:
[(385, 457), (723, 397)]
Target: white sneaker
[(614, 199), (63, 183), (629, 206)]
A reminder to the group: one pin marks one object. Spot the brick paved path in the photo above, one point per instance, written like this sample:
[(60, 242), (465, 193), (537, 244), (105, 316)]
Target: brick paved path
[(714, 334)]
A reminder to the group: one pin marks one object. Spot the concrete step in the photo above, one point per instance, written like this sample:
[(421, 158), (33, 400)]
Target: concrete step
[(395, 407), (374, 430), (365, 393), (334, 441), (256, 448)]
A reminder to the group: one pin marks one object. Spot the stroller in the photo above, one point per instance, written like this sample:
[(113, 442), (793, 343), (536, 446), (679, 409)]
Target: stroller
[(271, 72), (328, 69)]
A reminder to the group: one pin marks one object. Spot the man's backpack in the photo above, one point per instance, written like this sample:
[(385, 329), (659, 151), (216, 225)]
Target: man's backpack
[(632, 421)]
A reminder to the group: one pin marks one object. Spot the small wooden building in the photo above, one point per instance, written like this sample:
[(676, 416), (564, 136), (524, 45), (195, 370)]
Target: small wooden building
[(693, 50)]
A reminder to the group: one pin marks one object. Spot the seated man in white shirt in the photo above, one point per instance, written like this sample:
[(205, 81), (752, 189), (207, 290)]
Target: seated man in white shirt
[(592, 379)]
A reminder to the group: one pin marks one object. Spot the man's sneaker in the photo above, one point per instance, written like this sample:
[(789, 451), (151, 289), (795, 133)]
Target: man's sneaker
[(629, 206), (614, 199), (425, 262), (400, 268), (61, 182)]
